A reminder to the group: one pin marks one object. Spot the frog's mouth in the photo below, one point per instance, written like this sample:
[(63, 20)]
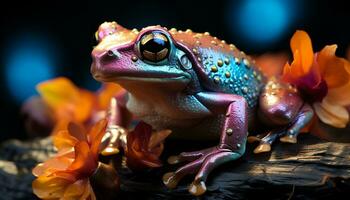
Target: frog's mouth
[(181, 78), (142, 77)]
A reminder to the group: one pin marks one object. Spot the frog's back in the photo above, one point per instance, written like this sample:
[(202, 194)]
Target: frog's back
[(222, 67)]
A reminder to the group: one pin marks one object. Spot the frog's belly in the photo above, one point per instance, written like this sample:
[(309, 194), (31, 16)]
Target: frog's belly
[(159, 122), (207, 128), (168, 112), (184, 115)]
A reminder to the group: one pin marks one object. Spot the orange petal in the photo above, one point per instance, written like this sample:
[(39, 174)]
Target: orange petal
[(52, 165), (67, 175), (296, 68), (340, 95), (302, 50), (59, 162), (49, 187), (81, 154), (153, 163), (96, 134), (61, 125), (76, 190), (334, 115), (77, 131), (88, 192), (67, 100), (157, 151), (60, 94), (286, 72), (105, 94), (85, 106), (95, 130), (84, 162), (292, 72), (158, 138), (64, 140), (67, 152), (333, 69), (141, 151), (140, 159)]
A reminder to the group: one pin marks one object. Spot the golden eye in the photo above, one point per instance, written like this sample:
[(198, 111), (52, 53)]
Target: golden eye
[(154, 46)]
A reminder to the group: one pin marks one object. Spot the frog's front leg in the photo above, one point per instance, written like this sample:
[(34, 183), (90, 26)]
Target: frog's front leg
[(231, 146), (118, 120)]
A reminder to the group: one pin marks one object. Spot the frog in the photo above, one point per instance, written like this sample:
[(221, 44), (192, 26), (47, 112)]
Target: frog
[(200, 87)]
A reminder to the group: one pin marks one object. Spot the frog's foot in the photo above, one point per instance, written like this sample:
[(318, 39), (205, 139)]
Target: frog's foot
[(202, 163), (113, 140), (287, 135), (188, 156), (267, 140), (118, 118)]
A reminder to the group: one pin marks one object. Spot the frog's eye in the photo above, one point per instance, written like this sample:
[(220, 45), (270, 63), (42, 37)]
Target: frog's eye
[(154, 46)]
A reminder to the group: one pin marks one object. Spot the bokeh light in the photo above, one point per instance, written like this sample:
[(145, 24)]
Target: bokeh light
[(29, 59), (261, 22)]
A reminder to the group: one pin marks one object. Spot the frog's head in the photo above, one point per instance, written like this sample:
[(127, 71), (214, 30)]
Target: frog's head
[(129, 57), (180, 59)]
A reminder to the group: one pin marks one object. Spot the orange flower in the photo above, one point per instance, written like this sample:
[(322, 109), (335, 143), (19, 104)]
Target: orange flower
[(66, 175), (72, 104), (322, 78), (144, 147)]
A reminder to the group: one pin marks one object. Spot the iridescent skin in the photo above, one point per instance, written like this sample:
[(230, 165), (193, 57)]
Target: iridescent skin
[(203, 89)]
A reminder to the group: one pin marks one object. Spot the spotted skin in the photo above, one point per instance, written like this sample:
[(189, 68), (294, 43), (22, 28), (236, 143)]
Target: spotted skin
[(223, 67), (228, 74), (200, 87)]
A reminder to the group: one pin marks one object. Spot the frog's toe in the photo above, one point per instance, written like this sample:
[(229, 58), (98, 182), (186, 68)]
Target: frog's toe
[(252, 139), (208, 160), (197, 189), (188, 156), (211, 161), (174, 160), (262, 148), (170, 180), (264, 145), (255, 138), (268, 140), (289, 139)]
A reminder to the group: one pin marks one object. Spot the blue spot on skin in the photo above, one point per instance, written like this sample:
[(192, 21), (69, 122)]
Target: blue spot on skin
[(262, 22), (28, 62)]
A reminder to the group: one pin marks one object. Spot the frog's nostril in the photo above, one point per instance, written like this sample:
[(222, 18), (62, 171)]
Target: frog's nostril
[(113, 53), (110, 53)]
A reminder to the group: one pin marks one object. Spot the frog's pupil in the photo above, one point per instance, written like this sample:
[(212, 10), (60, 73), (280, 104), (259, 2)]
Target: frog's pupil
[(155, 45)]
